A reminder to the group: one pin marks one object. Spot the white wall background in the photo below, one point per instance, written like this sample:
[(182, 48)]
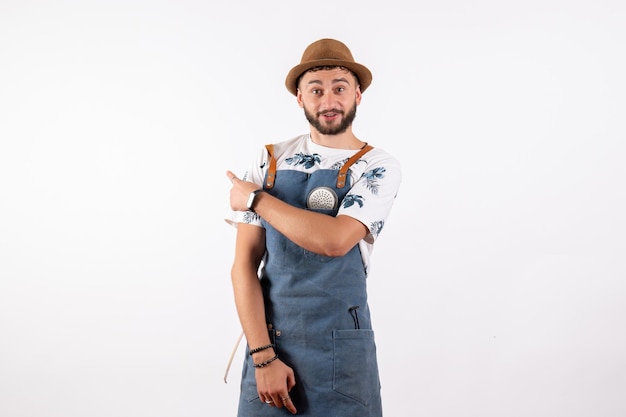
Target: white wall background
[(498, 287)]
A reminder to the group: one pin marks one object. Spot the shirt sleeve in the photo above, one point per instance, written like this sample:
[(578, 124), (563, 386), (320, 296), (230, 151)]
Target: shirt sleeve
[(371, 197)]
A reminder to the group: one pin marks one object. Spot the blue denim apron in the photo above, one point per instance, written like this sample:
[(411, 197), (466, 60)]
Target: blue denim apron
[(318, 316)]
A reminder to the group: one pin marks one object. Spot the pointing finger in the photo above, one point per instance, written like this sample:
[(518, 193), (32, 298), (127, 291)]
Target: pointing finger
[(232, 177)]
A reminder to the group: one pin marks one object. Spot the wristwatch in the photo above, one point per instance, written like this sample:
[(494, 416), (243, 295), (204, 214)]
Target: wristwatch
[(252, 198)]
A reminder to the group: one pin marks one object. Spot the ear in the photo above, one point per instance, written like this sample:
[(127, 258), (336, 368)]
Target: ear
[(357, 95), (299, 98)]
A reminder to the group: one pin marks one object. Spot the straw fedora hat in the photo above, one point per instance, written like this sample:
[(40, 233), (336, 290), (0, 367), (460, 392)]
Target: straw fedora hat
[(327, 52)]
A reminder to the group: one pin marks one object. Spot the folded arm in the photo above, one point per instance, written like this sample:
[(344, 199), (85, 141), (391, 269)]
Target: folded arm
[(316, 232)]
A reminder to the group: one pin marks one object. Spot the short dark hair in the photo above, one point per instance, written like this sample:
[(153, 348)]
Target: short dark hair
[(326, 68)]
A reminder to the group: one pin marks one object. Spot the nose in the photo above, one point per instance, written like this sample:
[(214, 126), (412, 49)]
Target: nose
[(328, 101)]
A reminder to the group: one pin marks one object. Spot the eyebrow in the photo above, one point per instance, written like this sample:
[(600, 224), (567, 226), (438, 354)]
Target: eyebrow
[(334, 81)]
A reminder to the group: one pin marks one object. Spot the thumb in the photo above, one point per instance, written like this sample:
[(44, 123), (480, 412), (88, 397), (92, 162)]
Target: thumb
[(291, 381)]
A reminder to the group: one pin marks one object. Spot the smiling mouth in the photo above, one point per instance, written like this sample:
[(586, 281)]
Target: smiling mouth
[(330, 114)]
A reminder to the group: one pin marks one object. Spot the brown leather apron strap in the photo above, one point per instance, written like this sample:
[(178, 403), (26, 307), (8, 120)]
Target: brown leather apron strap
[(341, 177), (271, 173)]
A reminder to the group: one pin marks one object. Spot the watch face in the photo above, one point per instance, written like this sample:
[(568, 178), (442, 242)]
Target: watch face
[(323, 198), (251, 198)]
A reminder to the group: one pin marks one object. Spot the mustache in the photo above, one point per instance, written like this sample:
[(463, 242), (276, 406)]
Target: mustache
[(321, 113)]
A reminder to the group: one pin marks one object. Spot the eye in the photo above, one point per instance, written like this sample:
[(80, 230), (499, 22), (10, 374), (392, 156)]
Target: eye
[(315, 91), (341, 89)]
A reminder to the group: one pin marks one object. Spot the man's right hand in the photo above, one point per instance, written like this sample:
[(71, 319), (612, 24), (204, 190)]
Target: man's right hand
[(274, 382)]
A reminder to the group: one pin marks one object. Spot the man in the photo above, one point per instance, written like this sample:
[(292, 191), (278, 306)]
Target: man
[(307, 214)]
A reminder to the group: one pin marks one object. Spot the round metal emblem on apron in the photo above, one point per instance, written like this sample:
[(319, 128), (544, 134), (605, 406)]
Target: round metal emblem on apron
[(322, 198)]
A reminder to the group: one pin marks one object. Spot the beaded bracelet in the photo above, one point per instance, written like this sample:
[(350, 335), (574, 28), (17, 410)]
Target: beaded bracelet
[(260, 348), (265, 363)]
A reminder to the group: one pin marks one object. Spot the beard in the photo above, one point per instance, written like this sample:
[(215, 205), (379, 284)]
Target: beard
[(330, 129)]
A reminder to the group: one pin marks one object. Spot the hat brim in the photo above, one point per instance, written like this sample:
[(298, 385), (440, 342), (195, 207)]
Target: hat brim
[(363, 74)]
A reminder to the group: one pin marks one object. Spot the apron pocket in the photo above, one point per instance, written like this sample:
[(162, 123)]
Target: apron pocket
[(355, 366)]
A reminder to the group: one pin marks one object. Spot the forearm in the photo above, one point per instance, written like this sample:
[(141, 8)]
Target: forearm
[(315, 232), (249, 251), (250, 307)]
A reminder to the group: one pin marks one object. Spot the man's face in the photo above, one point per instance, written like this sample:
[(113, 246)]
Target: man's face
[(329, 99)]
